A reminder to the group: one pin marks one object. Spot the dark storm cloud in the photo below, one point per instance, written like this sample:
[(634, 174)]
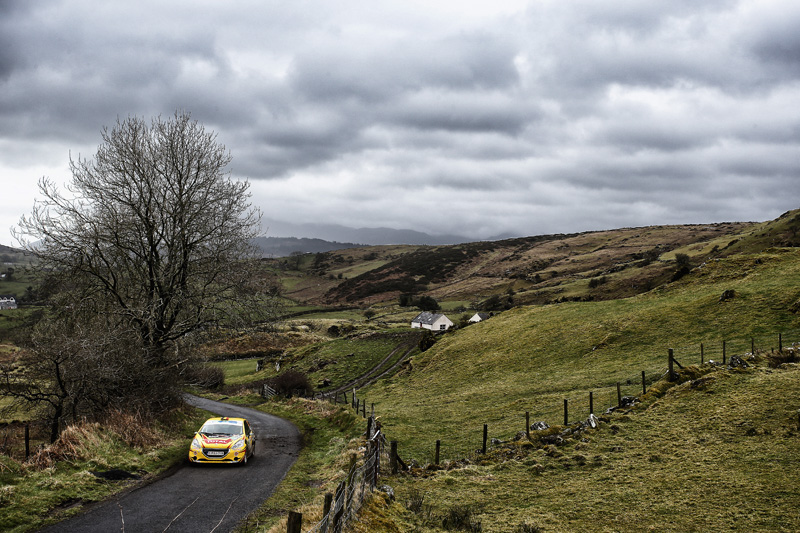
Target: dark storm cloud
[(513, 116)]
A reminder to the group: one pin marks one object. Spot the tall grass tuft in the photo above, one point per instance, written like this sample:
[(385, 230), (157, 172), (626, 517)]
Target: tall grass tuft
[(74, 444), (134, 428), (462, 517)]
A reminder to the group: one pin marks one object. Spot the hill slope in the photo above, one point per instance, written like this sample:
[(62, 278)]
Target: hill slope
[(599, 265), (636, 472), (538, 269), (531, 358)]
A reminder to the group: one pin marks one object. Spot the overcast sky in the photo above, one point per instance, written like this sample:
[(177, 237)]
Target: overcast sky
[(467, 117)]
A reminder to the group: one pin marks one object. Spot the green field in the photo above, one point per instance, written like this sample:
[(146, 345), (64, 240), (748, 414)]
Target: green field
[(532, 358), (663, 461), (722, 456)]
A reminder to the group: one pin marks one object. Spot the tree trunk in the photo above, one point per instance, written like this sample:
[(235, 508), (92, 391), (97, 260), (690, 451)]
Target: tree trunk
[(56, 422)]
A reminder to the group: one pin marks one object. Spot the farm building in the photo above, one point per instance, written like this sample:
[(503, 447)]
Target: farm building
[(8, 302), (479, 317), (432, 321)]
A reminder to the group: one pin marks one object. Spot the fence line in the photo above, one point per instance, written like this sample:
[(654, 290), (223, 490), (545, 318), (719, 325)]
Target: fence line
[(340, 509)]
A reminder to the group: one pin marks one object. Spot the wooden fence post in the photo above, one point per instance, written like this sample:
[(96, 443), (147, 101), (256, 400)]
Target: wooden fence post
[(349, 493), (436, 455), (294, 523), (485, 436), (644, 384), (670, 365), (702, 354), (591, 402), (528, 425), (376, 465), (393, 457), (566, 413), (780, 342), (339, 510), (619, 394), (364, 409), (326, 509), (752, 346), (369, 428)]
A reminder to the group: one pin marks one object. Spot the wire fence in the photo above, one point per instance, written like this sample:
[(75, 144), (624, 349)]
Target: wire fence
[(341, 508), (622, 389)]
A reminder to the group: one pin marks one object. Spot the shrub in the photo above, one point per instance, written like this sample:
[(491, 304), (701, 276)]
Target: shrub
[(596, 282), (427, 303), (291, 382), (204, 376), (461, 517), (427, 340)]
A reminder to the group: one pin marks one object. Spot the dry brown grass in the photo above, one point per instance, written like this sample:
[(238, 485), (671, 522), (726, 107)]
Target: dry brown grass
[(135, 429), (74, 444)]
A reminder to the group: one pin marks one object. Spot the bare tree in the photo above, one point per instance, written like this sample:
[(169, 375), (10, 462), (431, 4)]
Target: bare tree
[(76, 366), (153, 234)]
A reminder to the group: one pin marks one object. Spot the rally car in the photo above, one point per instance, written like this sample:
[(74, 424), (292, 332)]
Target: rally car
[(223, 440)]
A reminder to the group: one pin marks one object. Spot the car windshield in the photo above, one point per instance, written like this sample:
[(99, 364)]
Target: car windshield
[(221, 428)]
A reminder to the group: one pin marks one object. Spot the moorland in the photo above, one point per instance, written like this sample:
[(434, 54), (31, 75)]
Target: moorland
[(714, 446)]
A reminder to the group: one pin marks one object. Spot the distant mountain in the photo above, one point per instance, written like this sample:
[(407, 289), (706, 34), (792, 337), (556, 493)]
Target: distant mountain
[(12, 255), (285, 246), (367, 236)]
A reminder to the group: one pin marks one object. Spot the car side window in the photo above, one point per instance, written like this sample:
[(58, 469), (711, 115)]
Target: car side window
[(246, 428)]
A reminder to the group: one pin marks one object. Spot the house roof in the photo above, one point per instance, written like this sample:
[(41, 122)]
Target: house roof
[(426, 317)]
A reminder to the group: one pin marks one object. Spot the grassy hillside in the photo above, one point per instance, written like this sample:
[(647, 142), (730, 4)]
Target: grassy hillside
[(717, 453), (531, 358), (597, 265), (722, 455)]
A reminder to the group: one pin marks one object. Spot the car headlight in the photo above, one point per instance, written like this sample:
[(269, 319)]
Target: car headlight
[(196, 443), (238, 445)]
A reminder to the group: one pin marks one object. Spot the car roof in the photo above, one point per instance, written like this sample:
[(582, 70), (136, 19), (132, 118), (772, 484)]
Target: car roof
[(225, 419)]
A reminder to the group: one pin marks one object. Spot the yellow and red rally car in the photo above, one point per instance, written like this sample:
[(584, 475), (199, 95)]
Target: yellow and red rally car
[(223, 440)]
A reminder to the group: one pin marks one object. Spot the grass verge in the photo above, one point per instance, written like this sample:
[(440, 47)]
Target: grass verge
[(59, 479), (716, 453), (330, 436)]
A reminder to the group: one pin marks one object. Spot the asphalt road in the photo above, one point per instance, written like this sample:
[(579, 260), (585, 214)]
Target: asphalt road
[(200, 498)]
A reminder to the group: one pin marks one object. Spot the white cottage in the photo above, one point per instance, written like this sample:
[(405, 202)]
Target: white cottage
[(479, 317), (432, 321), (8, 302)]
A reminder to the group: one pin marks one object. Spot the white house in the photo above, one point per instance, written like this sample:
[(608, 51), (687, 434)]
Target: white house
[(8, 302), (432, 321), (479, 317)]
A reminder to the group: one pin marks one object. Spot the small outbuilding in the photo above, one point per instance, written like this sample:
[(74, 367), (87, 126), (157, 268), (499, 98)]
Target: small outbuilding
[(432, 321), (8, 302), (479, 317)]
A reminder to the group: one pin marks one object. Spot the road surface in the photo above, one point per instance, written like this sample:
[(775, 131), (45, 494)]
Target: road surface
[(200, 498)]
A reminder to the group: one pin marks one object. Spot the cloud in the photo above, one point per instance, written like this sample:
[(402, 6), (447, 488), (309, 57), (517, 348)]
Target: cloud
[(483, 118)]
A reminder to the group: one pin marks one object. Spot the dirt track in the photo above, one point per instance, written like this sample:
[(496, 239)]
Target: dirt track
[(201, 498)]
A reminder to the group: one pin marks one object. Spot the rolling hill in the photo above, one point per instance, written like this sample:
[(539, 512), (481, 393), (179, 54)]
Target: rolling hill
[(675, 463)]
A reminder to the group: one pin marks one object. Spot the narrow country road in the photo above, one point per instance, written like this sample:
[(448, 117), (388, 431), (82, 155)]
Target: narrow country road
[(202, 498)]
